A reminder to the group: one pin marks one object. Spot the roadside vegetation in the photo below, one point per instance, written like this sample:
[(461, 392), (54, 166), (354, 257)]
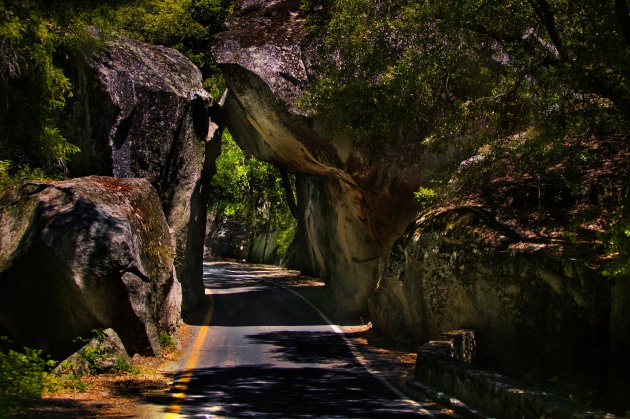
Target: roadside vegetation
[(26, 375), (22, 377)]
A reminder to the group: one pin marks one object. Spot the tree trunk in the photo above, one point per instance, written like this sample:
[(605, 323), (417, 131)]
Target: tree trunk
[(288, 191)]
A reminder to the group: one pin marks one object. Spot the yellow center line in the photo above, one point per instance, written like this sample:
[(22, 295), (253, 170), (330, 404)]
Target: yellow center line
[(180, 387)]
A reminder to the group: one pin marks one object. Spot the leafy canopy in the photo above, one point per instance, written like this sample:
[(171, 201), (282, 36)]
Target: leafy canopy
[(482, 70), (250, 190), (515, 80)]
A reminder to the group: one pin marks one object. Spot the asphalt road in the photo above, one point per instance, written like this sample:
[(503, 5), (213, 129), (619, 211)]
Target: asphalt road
[(267, 352)]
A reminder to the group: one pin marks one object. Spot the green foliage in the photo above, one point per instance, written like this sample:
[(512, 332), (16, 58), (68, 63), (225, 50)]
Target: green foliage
[(251, 191), (22, 377), (64, 380), (123, 366), (426, 196), (186, 25), (618, 241), (33, 87), (399, 69), (286, 236), (167, 342), (519, 87), (11, 176)]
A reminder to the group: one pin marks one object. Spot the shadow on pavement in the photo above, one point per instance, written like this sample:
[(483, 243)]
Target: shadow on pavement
[(307, 347), (316, 374), (68, 408), (267, 391)]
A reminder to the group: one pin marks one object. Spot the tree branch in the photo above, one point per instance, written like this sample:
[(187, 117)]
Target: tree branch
[(547, 17)]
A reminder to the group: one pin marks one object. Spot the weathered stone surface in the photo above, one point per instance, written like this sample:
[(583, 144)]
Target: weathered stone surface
[(103, 351), (353, 201), (493, 394), (139, 110), (535, 315), (84, 254)]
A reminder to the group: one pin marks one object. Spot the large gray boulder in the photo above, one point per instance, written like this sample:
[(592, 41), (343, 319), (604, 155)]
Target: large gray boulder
[(85, 254), (139, 110), (353, 201), (537, 315)]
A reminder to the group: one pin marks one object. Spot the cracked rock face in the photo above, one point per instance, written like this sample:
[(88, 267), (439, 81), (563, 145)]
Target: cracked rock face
[(353, 201), (139, 110), (84, 254)]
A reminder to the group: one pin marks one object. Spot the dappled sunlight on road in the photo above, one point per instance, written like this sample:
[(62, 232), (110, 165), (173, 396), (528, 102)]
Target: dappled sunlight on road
[(268, 352)]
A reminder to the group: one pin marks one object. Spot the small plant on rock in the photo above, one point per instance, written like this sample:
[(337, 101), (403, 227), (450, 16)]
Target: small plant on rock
[(167, 342), (92, 354)]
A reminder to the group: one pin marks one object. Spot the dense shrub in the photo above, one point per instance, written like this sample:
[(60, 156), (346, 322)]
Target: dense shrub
[(22, 377)]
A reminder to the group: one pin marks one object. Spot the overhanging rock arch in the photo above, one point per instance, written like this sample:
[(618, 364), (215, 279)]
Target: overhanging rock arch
[(353, 202)]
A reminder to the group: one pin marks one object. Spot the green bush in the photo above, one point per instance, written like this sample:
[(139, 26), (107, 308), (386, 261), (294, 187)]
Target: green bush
[(251, 191), (22, 377), (65, 380), (122, 366), (11, 176), (166, 341)]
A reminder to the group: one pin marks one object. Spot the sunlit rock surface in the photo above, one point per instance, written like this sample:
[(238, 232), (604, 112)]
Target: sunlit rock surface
[(353, 200), (84, 254), (139, 110)]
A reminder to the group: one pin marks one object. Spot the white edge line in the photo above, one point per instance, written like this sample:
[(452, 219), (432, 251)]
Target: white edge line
[(355, 352)]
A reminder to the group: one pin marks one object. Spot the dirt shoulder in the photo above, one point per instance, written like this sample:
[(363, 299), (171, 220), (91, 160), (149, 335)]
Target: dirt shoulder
[(121, 395)]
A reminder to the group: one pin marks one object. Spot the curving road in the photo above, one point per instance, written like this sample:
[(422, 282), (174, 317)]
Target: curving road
[(264, 351)]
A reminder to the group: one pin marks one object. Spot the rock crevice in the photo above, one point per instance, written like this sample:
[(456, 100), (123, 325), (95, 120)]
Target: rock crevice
[(139, 110)]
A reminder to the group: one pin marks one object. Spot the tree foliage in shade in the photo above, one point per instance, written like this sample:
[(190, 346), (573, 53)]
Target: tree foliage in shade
[(33, 87), (500, 78), (186, 25), (479, 69)]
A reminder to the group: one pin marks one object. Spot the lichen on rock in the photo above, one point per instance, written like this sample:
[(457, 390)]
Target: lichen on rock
[(537, 316), (73, 259)]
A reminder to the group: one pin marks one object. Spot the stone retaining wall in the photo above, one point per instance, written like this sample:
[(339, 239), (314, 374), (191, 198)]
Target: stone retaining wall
[(445, 364)]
